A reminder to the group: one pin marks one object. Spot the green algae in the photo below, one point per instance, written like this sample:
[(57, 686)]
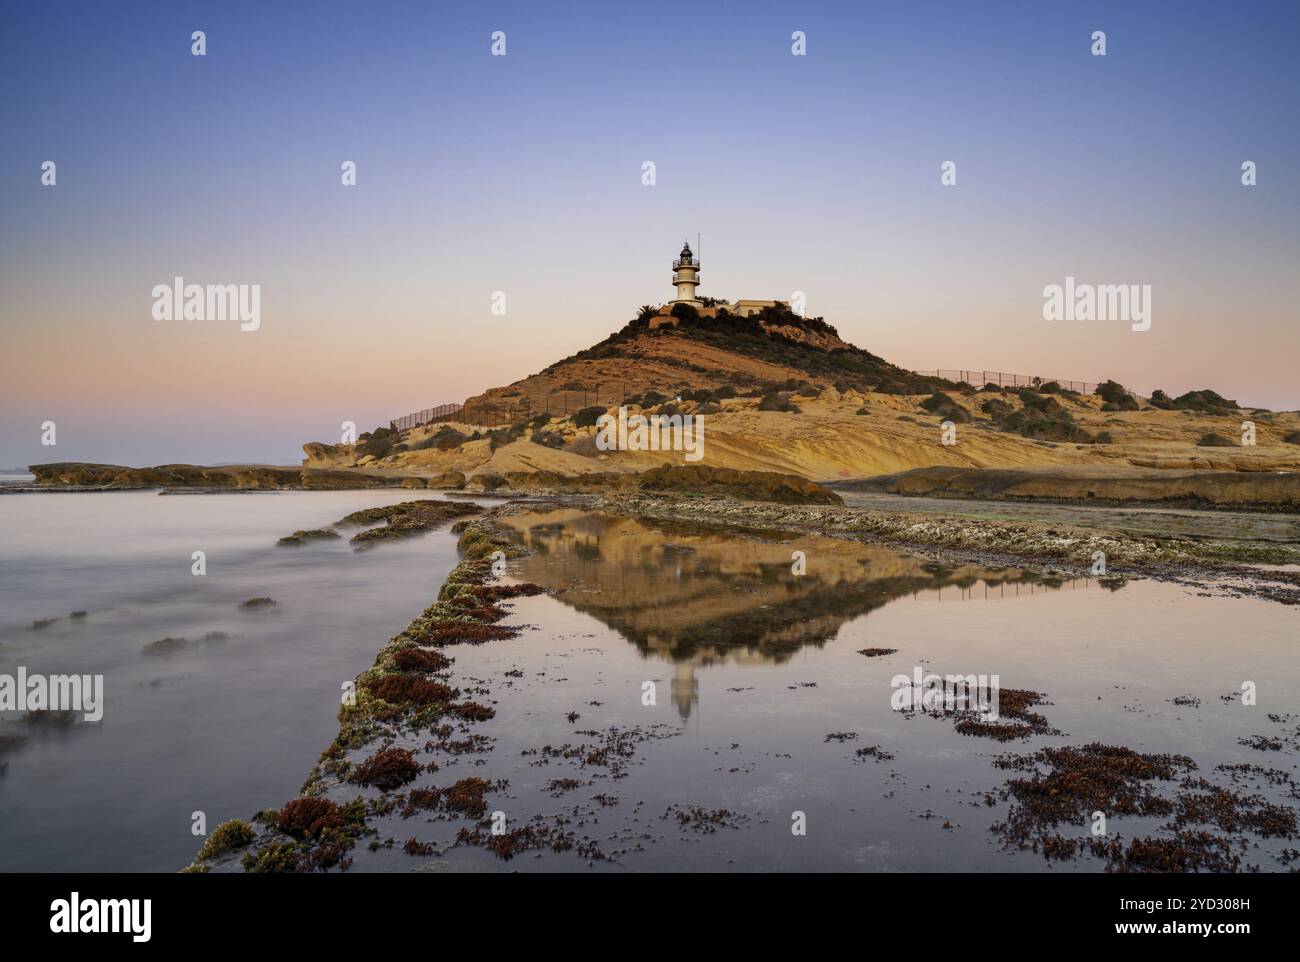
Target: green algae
[(404, 691)]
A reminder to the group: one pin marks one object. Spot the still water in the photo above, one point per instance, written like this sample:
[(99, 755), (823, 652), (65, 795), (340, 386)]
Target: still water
[(224, 726), (763, 700)]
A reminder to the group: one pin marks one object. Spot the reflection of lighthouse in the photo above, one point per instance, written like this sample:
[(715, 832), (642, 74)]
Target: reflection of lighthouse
[(686, 277), (686, 688)]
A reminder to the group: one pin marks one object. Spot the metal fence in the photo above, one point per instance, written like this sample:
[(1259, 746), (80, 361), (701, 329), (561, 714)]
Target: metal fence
[(443, 412), (564, 401), (569, 400), (558, 402), (482, 414), (1001, 379)]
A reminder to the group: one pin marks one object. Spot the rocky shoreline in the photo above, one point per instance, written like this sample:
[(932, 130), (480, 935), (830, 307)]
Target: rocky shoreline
[(1237, 568), (404, 697), (78, 476), (765, 499), (1259, 492), (411, 710), (1266, 491), (175, 478)]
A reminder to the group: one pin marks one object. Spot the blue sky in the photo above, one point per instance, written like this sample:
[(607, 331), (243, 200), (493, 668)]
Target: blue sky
[(522, 173)]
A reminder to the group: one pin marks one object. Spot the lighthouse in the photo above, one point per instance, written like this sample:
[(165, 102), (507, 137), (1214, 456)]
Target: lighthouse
[(686, 277)]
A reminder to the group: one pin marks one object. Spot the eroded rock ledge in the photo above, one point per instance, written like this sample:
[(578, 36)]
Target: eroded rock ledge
[(72, 474), (1236, 490), (694, 480)]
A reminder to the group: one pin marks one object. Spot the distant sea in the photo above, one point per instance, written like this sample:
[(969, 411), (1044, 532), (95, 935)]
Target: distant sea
[(232, 720)]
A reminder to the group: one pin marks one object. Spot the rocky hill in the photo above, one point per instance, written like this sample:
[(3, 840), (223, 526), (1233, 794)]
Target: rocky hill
[(695, 351), (785, 401), (786, 394)]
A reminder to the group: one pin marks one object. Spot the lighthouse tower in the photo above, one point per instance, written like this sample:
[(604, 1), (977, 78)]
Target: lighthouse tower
[(686, 277)]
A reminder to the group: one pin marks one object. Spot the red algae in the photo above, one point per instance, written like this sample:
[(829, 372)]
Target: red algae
[(308, 817), (411, 690), (387, 768), (420, 659)]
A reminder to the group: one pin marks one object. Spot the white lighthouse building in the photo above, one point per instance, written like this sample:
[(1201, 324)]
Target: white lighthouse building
[(686, 277)]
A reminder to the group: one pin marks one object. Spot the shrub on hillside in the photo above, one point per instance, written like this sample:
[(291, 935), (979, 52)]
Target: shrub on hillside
[(586, 418), (1116, 396), (778, 401), (445, 439), (502, 436), (378, 443), (1043, 418), (996, 408), (1032, 400), (1204, 401), (448, 438), (945, 407), (548, 439), (1213, 440), (1041, 427), (1111, 391)]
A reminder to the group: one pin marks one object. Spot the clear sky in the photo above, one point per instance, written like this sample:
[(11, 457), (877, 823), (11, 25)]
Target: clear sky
[(522, 174)]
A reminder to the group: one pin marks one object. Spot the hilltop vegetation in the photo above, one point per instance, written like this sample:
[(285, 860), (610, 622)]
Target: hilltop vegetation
[(787, 394), (691, 350)]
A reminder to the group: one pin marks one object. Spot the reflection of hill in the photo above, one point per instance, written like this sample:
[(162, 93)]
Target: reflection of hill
[(698, 597)]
